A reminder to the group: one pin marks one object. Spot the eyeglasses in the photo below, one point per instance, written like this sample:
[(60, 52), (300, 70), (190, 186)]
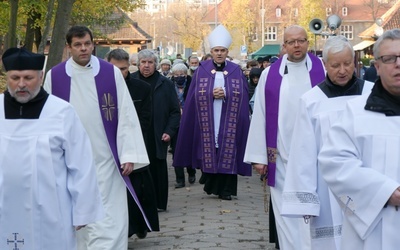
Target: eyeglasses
[(298, 41), (388, 59)]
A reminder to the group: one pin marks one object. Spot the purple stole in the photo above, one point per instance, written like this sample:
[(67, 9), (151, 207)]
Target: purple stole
[(272, 90), (108, 104)]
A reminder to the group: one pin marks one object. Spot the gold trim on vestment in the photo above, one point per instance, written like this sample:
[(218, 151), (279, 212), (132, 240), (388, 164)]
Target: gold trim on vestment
[(108, 106), (271, 152)]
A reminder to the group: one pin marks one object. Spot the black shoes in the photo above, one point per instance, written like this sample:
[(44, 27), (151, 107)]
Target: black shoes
[(202, 179), (142, 235), (179, 185), (192, 179), (225, 197)]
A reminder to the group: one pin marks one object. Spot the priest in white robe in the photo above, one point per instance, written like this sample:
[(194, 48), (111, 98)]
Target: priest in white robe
[(118, 148), (305, 193), (277, 98), (48, 185), (360, 158)]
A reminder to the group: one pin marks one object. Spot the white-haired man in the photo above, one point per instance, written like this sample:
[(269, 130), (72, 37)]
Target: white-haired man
[(360, 159), (305, 192)]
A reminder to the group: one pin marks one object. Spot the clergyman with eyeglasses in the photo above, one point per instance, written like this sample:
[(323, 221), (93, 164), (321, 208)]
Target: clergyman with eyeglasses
[(360, 159), (306, 194), (280, 87)]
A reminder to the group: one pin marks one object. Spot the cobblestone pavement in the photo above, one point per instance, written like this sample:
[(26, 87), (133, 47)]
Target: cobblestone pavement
[(195, 220)]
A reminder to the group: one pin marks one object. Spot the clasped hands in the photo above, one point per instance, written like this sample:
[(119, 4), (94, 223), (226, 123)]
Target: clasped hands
[(219, 93)]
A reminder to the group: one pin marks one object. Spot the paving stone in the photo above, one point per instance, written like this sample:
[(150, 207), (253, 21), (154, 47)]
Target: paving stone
[(197, 221)]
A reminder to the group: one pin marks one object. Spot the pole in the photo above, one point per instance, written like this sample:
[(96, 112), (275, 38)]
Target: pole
[(216, 13), (154, 35), (262, 24), (315, 44)]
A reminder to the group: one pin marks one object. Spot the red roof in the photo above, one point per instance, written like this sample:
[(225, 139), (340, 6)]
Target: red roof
[(391, 20), (357, 10)]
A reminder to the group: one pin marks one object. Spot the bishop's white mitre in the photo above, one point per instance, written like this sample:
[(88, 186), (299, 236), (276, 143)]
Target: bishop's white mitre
[(220, 37)]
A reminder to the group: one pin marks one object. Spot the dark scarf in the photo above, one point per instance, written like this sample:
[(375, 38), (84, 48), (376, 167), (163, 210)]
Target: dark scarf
[(381, 101), (29, 110), (352, 87), (152, 80)]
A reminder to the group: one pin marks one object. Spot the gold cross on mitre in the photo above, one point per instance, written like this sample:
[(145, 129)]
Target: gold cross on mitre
[(108, 106)]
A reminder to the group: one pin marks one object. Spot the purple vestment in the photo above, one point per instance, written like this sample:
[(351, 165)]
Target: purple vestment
[(196, 144), (272, 90), (108, 106)]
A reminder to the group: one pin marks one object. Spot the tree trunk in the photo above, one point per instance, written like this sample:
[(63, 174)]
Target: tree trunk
[(61, 24), (30, 30), (12, 28), (46, 31), (38, 37)]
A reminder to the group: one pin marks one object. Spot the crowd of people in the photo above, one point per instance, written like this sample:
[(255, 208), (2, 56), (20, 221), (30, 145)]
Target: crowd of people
[(321, 132)]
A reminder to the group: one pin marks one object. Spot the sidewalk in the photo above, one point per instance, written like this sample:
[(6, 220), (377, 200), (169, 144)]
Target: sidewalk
[(195, 220)]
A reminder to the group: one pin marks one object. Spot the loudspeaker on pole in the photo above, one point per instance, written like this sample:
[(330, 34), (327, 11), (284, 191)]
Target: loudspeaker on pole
[(334, 21), (316, 25)]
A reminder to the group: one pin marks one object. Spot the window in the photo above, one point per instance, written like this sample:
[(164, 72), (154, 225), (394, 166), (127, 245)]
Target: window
[(271, 33), (347, 31), (254, 34), (328, 11), (278, 11), (344, 11), (295, 12)]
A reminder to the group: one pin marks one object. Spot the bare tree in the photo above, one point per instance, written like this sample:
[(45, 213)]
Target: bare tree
[(375, 7), (239, 20), (188, 22)]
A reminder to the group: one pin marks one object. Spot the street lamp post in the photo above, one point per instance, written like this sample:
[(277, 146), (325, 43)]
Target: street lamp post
[(262, 24), (216, 13), (154, 35)]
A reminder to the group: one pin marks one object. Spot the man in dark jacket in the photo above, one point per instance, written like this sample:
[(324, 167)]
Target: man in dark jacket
[(141, 178), (165, 118), (370, 73)]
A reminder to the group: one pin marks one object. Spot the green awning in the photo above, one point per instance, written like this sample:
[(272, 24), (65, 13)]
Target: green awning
[(267, 50)]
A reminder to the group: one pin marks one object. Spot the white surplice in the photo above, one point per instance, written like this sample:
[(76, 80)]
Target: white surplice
[(293, 233), (110, 233), (305, 192), (47, 179), (217, 104), (360, 162)]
